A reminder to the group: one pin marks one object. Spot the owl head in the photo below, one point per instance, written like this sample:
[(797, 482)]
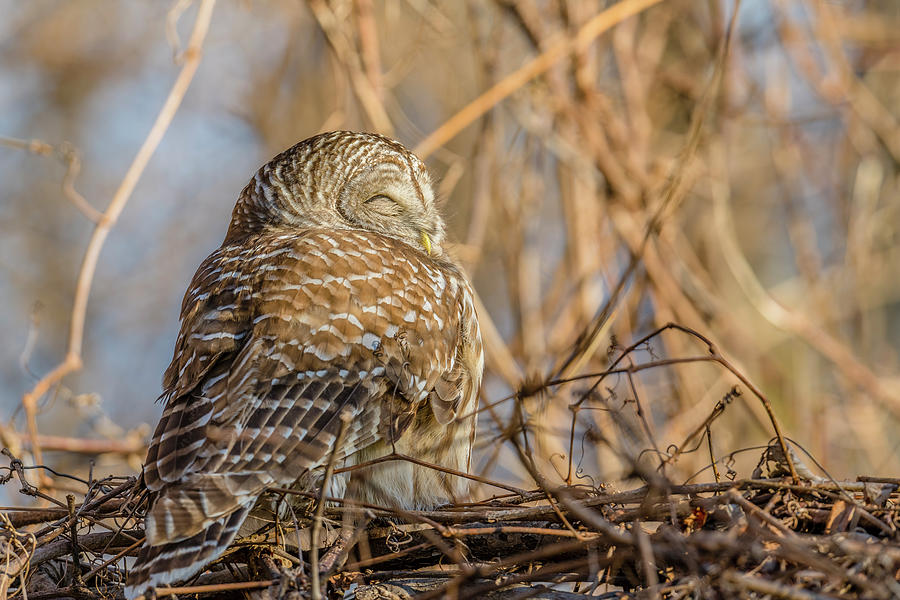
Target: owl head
[(345, 180)]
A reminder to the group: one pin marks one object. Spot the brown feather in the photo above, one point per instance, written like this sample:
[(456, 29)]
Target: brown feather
[(286, 327)]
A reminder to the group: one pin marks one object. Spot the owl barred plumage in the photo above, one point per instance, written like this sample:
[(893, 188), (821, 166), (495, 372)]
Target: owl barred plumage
[(331, 293)]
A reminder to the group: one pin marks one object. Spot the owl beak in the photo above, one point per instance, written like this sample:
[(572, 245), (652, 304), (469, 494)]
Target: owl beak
[(426, 242)]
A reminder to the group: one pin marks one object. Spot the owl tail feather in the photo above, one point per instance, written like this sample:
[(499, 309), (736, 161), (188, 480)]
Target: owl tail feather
[(177, 561)]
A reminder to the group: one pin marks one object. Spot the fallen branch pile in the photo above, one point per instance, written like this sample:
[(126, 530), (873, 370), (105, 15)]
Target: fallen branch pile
[(761, 537)]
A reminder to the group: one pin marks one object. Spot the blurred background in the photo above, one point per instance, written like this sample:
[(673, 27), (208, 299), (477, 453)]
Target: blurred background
[(751, 195)]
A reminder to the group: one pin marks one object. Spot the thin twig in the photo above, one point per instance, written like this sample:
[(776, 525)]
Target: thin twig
[(422, 463), (316, 590), (73, 358)]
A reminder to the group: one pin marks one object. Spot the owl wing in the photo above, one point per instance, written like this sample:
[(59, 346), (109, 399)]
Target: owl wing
[(276, 346), (455, 392)]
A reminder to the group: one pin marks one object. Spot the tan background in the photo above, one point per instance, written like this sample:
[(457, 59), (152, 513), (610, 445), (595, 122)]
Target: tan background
[(779, 242)]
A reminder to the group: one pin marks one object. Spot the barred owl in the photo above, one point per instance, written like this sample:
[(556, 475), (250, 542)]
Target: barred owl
[(331, 297)]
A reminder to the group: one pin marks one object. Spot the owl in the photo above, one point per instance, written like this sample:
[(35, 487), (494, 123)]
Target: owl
[(331, 315)]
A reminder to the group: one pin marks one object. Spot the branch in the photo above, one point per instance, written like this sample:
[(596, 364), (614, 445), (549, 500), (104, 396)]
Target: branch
[(73, 359), (542, 63)]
